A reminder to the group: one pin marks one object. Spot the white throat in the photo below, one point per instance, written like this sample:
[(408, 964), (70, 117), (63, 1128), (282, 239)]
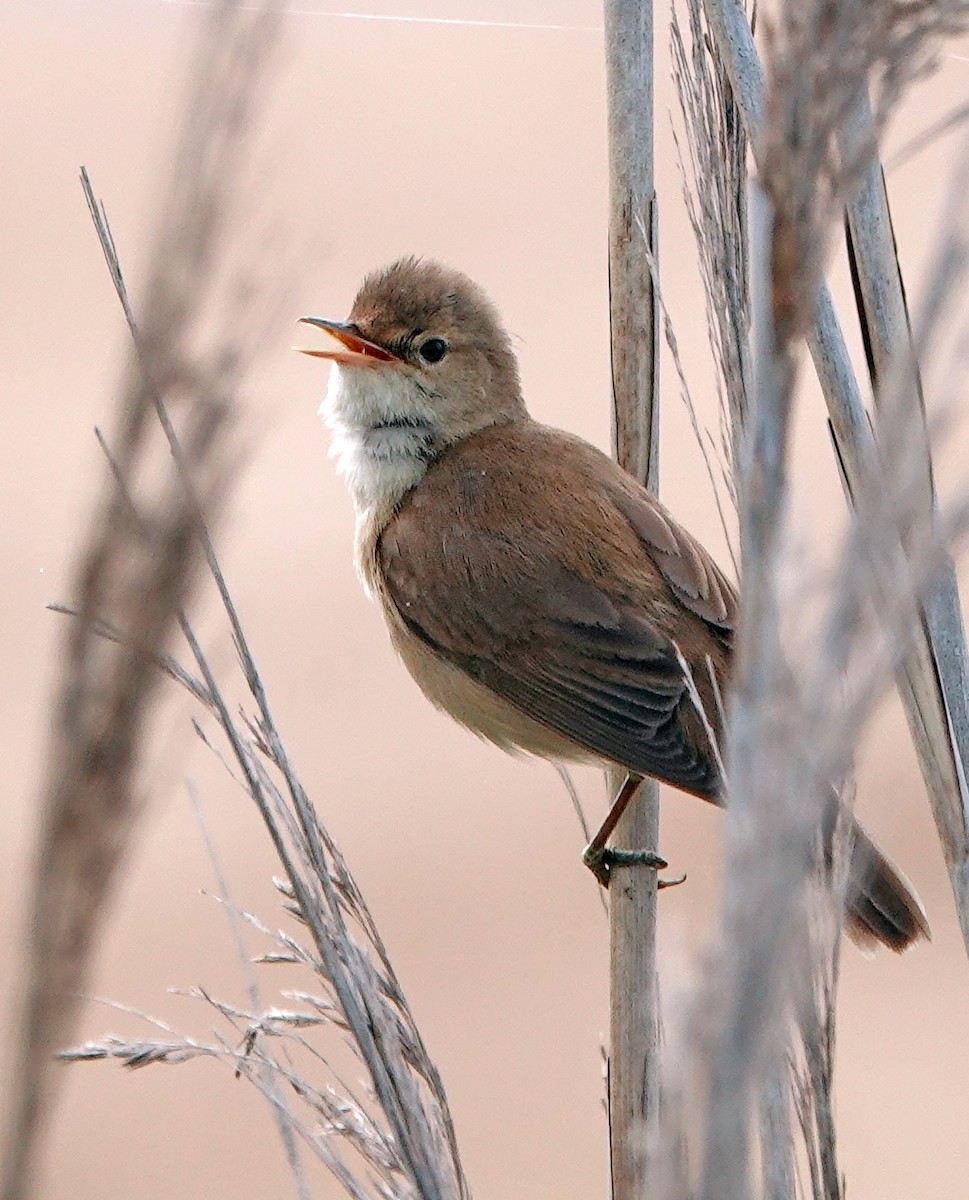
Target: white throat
[(383, 440)]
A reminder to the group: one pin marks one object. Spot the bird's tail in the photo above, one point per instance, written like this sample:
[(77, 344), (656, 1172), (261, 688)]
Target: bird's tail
[(881, 906)]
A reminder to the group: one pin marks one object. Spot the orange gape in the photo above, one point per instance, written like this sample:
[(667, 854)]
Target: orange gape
[(534, 590)]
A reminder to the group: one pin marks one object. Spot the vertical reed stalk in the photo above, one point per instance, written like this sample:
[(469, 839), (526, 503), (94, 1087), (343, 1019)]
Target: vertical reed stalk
[(634, 1021)]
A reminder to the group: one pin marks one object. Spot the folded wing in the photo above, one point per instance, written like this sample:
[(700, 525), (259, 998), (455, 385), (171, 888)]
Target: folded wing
[(535, 565)]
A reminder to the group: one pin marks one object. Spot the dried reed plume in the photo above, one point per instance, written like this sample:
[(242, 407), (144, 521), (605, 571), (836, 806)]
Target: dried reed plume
[(398, 1140), (759, 1046), (932, 677), (137, 570)]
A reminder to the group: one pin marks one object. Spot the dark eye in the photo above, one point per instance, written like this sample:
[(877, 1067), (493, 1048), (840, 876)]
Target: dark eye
[(433, 350)]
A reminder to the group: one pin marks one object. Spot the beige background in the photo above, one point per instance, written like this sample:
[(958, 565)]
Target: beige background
[(484, 146)]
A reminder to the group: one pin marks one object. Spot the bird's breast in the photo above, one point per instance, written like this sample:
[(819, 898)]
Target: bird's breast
[(472, 704), (382, 441)]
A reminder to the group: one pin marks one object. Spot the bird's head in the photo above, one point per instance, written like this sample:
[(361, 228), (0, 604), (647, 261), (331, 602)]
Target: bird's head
[(423, 347)]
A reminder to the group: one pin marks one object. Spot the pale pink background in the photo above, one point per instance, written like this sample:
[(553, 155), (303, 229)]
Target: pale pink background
[(485, 147)]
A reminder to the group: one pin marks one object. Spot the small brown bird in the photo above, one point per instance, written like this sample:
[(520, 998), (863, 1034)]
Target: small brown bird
[(535, 591)]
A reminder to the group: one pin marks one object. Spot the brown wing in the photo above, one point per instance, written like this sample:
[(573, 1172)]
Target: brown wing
[(692, 575), (529, 560)]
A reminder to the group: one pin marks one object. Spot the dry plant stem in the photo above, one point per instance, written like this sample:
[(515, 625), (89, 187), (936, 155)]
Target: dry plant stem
[(634, 1020), (266, 1074), (358, 1007), (715, 191), (761, 884), (932, 678), (814, 1099), (136, 582), (188, 485), (434, 1175), (717, 198), (812, 1060), (882, 306), (632, 207), (777, 1154), (885, 322), (315, 874)]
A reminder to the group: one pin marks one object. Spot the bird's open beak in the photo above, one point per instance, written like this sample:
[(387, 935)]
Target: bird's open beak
[(355, 349)]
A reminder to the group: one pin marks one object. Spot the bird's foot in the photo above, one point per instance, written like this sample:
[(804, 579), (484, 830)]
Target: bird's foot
[(601, 859)]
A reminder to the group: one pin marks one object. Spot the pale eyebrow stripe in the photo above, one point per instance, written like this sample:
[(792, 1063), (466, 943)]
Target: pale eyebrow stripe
[(351, 16)]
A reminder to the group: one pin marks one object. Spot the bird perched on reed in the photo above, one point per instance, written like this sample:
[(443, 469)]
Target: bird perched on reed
[(534, 590)]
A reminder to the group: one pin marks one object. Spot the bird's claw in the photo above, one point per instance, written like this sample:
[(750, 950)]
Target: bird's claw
[(601, 859)]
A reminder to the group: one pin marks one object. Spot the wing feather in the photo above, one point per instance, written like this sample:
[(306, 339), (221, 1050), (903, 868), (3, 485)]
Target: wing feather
[(567, 600)]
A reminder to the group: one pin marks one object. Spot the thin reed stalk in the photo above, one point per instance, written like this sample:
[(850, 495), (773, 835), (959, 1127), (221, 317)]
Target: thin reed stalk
[(398, 1140), (633, 315), (765, 1018), (937, 722)]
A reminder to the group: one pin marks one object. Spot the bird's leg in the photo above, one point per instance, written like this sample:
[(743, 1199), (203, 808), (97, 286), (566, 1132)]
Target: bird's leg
[(599, 858), (596, 848)]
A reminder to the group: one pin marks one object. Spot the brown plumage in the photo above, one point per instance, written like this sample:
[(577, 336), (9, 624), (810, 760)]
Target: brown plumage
[(534, 590), (583, 642)]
